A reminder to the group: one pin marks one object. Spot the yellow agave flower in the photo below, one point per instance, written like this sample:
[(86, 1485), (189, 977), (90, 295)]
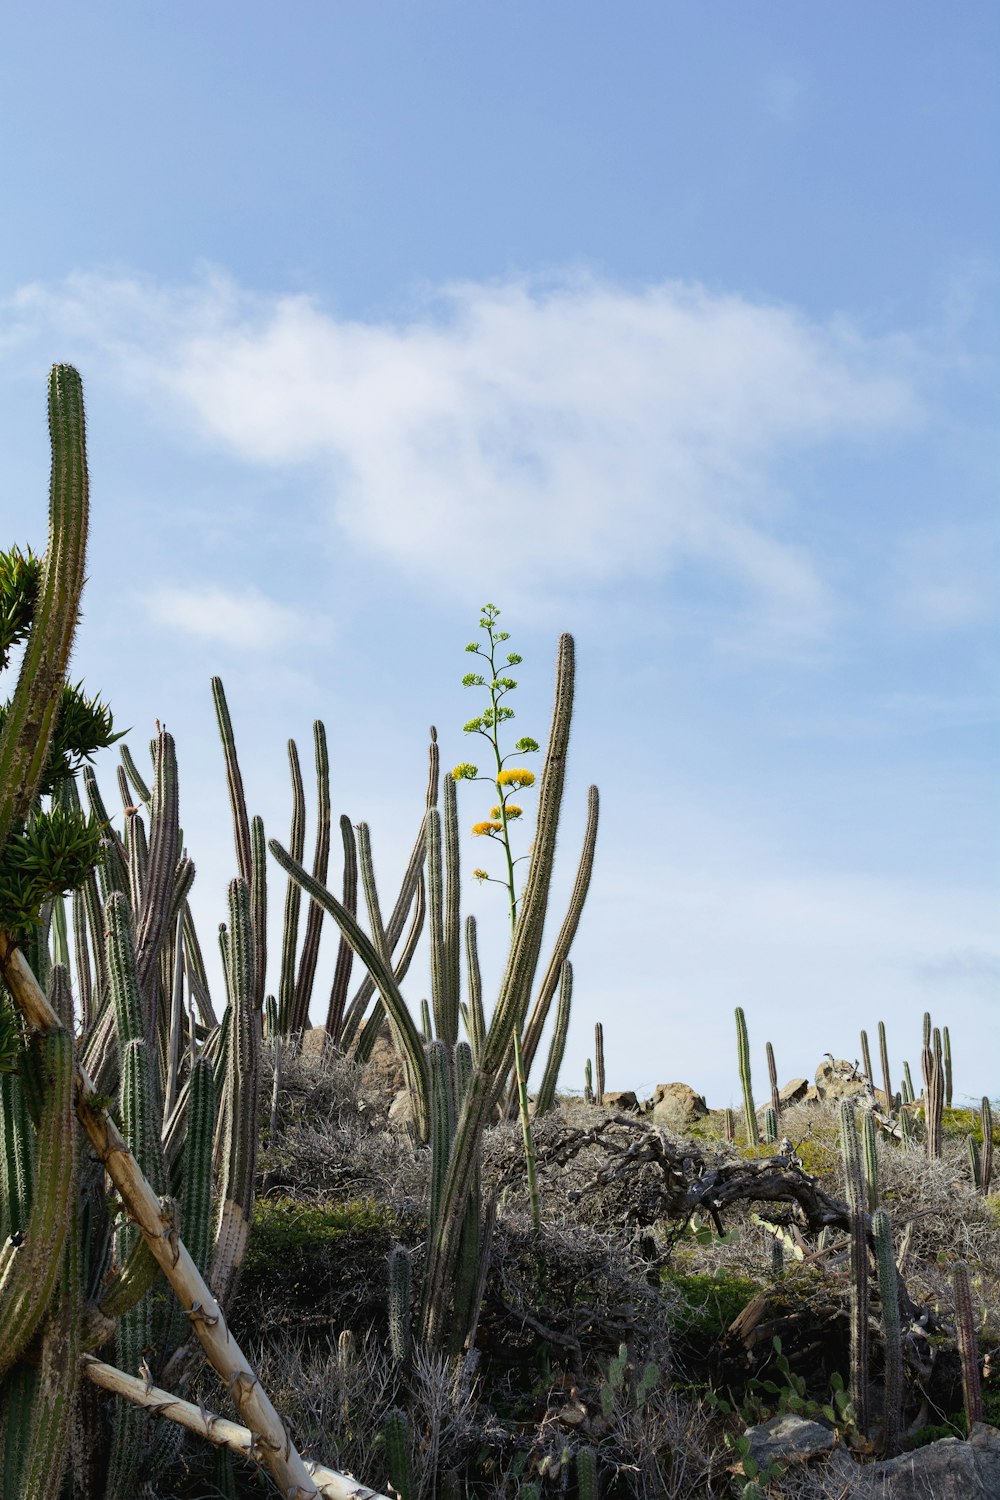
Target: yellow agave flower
[(516, 776)]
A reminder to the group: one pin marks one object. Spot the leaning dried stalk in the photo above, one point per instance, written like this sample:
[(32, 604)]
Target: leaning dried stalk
[(331, 1484)]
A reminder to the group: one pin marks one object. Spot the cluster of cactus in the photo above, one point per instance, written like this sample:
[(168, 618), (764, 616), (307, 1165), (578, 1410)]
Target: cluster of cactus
[(932, 1063), (456, 1084), (79, 1270)]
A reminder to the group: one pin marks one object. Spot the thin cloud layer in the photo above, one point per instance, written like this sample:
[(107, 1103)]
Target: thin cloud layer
[(243, 621), (562, 435)]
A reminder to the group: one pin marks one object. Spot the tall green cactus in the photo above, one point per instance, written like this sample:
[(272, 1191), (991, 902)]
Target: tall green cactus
[(870, 1159), (986, 1162), (854, 1178), (968, 1348), (743, 1055), (884, 1059), (772, 1074), (934, 1088), (30, 718), (547, 1088), (599, 1077), (888, 1291)]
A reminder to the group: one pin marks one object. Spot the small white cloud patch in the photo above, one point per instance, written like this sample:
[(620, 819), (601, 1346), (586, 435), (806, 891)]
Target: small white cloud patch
[(243, 621)]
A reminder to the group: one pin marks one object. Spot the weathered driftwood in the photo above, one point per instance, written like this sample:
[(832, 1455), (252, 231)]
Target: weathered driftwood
[(670, 1181), (225, 1434), (271, 1445)]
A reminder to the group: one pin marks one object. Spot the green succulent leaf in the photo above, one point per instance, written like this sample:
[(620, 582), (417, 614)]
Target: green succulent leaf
[(20, 573), (51, 856)]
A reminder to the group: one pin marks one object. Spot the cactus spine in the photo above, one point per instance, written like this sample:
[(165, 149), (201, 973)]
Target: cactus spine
[(743, 1052)]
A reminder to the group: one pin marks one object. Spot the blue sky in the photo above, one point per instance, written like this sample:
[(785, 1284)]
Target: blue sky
[(670, 325)]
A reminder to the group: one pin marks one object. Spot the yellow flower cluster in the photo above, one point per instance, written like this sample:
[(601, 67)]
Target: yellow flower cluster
[(516, 777), (512, 811), (492, 827)]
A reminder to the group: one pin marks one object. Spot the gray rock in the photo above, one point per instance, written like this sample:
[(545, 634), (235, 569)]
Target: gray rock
[(621, 1099), (833, 1080), (985, 1444), (945, 1470), (385, 1066), (790, 1439), (401, 1110), (677, 1104), (314, 1041), (793, 1092)]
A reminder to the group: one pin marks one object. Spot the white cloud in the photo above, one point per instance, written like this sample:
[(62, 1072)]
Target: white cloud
[(572, 433), (243, 621)]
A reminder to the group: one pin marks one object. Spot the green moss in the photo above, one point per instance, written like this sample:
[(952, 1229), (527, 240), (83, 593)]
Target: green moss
[(286, 1228), (711, 1302)]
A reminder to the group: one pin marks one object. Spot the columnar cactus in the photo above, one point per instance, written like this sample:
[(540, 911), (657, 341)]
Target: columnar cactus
[(851, 1152), (888, 1291), (870, 1156), (547, 1088), (884, 1059), (986, 1121), (934, 1087), (968, 1349), (743, 1053), (599, 1063), (772, 1074)]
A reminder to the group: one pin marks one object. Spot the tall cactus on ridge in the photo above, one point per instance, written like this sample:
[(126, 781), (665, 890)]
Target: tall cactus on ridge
[(854, 1177), (743, 1054)]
